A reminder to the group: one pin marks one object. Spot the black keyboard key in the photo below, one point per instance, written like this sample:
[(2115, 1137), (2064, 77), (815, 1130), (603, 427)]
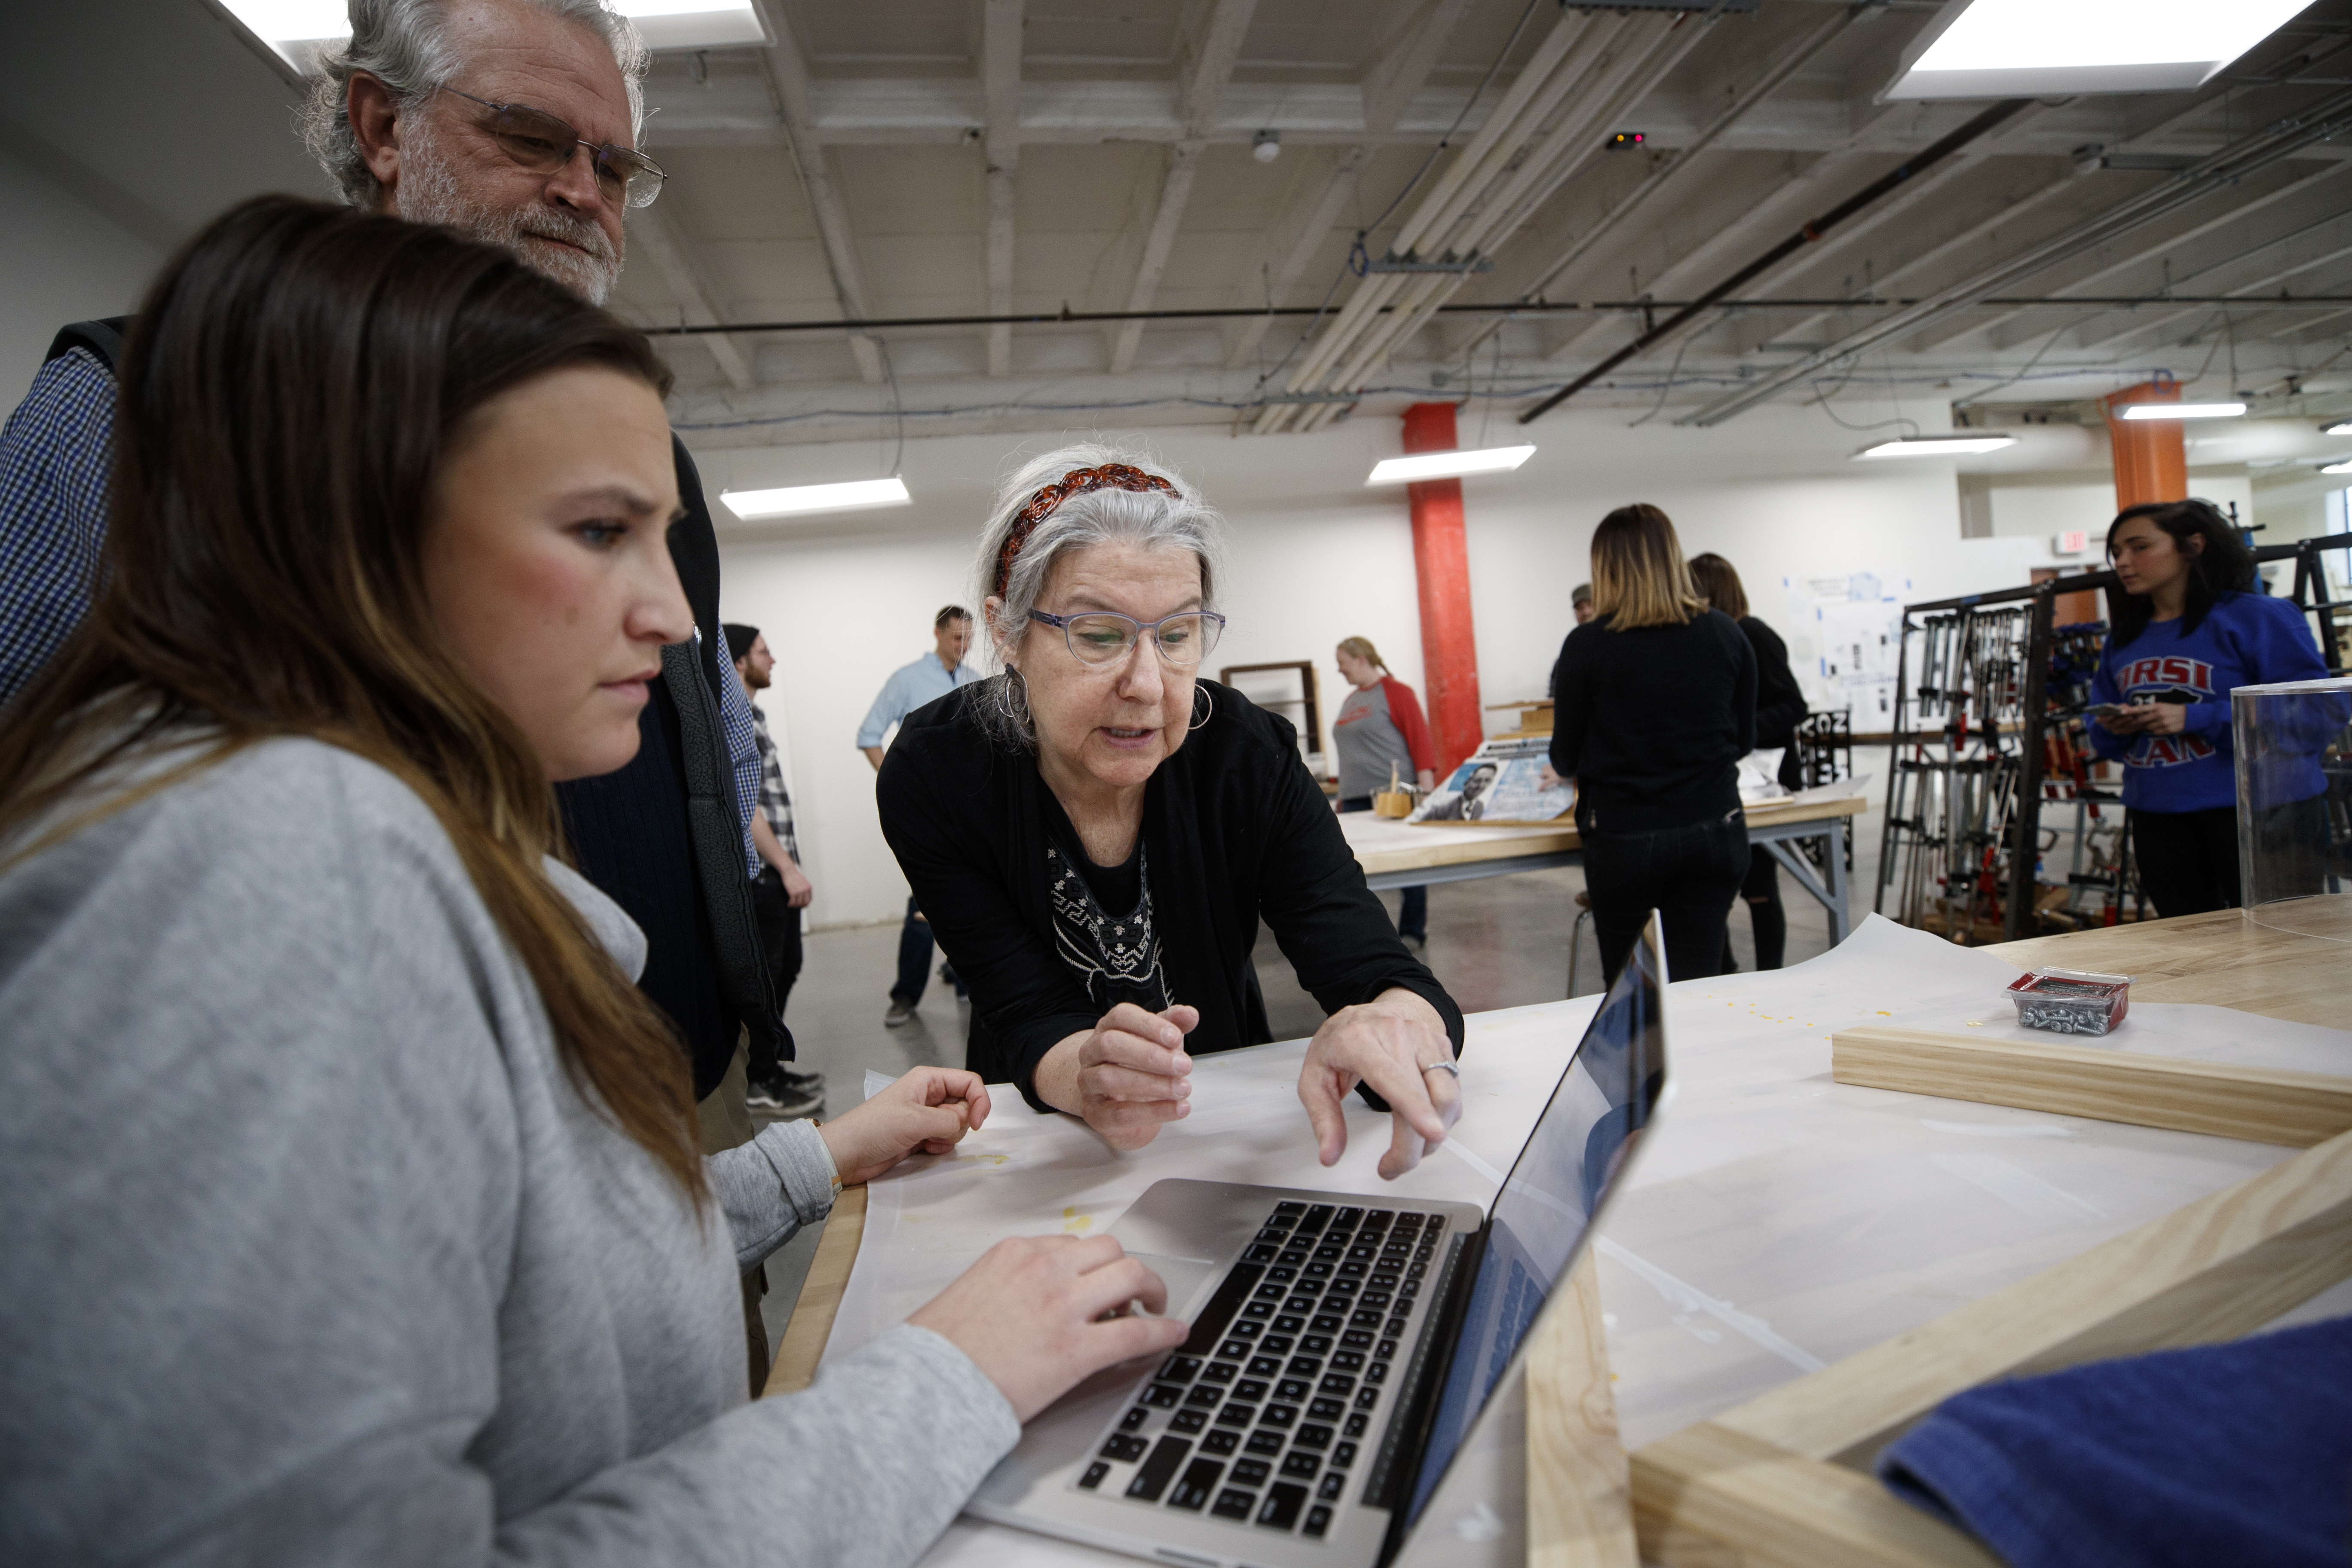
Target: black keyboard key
[(1237, 1416), (1272, 1293), (1294, 1389), (1230, 1504), (1275, 1345), (1264, 1442), (1291, 1258), (1270, 1233), (1407, 1292), (1220, 1441), (1198, 1484), (1327, 1410), (1317, 1216), (1152, 1479), (1259, 1310), (1357, 1340), (1232, 1291), (1279, 1417), (1344, 1454), (1180, 1369), (1326, 1325), (1259, 1252), (1318, 1520), (1303, 1294), (1233, 1349), (1368, 1396), (1334, 1483), (1329, 1252), (1245, 1330), (1394, 1328), (1347, 1360), (1348, 1217), (1301, 1467), (1305, 1366), (1315, 1345), (1280, 1510), (1365, 1320), (1282, 1275), (1124, 1449), (1315, 1271), (1417, 1270), (1313, 1436), (1387, 1349), (1377, 1373), (1264, 1366), (1249, 1391), (1355, 1427), (1094, 1473), (1291, 1207), (1339, 1382), (1251, 1472), (1363, 1252), (1134, 1418), (1162, 1395), (1220, 1371), (1188, 1421), (1206, 1396)]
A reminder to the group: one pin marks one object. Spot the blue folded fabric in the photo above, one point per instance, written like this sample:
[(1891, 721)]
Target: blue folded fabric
[(2237, 1454)]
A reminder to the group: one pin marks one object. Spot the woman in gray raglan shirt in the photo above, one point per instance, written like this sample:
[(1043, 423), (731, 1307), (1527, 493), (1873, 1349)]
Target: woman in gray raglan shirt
[(351, 1211)]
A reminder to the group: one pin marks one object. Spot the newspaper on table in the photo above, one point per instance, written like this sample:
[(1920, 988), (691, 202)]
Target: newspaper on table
[(1502, 781)]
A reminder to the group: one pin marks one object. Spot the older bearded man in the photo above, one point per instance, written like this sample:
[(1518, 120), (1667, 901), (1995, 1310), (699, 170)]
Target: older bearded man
[(513, 121)]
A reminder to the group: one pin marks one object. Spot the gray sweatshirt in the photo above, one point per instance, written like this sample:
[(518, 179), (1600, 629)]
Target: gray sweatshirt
[(314, 1254)]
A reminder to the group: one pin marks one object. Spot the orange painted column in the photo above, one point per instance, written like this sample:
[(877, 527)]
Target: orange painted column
[(2151, 455), (1441, 559)]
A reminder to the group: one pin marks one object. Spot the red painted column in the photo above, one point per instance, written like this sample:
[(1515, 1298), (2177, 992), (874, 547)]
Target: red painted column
[(2151, 455), (1441, 558)]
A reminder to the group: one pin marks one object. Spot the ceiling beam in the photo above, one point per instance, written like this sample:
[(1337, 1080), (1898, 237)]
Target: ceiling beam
[(656, 239), (796, 108), (1292, 243), (1406, 51), (1000, 77), (1205, 57)]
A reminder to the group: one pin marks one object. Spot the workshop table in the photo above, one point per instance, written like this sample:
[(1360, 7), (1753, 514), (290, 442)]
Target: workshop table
[(1398, 854)]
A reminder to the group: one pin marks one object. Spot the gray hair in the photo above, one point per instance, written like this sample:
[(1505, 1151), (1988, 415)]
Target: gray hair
[(1153, 519), (403, 44)]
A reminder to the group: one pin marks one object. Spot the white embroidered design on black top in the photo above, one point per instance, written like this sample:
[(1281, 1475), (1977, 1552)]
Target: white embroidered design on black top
[(1116, 957)]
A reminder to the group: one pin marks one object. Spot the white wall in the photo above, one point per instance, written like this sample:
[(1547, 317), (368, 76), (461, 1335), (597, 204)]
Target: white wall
[(845, 599), (59, 261)]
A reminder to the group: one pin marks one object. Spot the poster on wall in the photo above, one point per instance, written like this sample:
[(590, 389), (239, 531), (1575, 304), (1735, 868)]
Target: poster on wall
[(1502, 781), (1848, 637)]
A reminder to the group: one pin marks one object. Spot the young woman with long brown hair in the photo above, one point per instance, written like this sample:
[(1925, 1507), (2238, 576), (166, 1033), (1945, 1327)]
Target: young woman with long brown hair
[(1653, 705), (416, 1261)]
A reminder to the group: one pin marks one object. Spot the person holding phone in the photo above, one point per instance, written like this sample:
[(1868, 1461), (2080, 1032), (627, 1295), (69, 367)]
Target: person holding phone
[(2186, 627)]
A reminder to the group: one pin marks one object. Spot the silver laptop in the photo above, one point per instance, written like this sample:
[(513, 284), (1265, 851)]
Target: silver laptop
[(1344, 1348)]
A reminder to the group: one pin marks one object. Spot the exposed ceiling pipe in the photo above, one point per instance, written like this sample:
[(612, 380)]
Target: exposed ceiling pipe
[(1910, 168), (2330, 117)]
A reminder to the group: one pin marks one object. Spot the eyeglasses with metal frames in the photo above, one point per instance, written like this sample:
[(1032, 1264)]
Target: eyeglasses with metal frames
[(1104, 636), (542, 144)]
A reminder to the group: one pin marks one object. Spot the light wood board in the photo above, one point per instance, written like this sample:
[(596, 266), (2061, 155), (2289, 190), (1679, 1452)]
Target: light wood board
[(1420, 846), (2223, 1099), (1587, 1523), (2222, 958), (820, 1298)]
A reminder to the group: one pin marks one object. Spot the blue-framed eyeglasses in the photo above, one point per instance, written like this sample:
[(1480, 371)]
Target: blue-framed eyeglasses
[(1102, 637)]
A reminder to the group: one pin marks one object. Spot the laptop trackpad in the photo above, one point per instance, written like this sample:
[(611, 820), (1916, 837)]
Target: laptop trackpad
[(1187, 1279)]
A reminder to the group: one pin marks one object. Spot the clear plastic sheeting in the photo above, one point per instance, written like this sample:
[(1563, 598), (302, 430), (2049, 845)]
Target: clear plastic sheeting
[(1776, 1221), (2293, 745)]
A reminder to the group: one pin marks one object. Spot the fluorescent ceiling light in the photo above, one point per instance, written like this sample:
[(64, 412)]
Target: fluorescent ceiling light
[(850, 496), (2343, 467), (2183, 410), (2027, 49), (1448, 465), (2341, 427), (1937, 447), (299, 29)]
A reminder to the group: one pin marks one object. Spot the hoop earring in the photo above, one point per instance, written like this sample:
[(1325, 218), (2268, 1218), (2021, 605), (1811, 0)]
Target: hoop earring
[(1201, 692)]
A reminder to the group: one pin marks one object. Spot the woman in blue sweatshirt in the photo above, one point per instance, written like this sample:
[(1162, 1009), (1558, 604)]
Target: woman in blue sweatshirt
[(2185, 628)]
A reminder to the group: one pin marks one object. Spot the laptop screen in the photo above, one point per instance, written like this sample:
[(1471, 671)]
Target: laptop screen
[(1606, 1097)]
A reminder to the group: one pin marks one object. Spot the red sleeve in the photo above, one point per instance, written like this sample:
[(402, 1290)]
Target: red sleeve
[(1404, 711)]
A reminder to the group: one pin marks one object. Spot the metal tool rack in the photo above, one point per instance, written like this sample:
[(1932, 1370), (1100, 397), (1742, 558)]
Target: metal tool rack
[(1977, 808)]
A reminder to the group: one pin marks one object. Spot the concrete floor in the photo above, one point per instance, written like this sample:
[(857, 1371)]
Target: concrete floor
[(1500, 941)]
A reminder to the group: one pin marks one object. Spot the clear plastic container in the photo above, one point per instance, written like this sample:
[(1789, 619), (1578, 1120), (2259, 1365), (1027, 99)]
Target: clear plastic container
[(2292, 752), (2070, 1001)]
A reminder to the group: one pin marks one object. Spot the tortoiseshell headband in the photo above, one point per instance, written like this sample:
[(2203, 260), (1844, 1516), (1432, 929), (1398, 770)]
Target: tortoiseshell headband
[(1078, 481)]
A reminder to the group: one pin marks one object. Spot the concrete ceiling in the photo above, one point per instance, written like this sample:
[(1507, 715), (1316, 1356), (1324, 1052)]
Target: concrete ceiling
[(924, 158)]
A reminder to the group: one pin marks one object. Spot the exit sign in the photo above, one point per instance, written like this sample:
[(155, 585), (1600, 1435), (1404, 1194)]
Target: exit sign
[(2074, 541)]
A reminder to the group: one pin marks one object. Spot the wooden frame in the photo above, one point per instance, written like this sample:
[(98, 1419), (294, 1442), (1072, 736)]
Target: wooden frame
[(1311, 699), (2265, 1105)]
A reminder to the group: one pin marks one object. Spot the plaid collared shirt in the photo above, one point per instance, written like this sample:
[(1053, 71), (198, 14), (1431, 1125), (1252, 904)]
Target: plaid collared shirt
[(57, 453), (775, 801)]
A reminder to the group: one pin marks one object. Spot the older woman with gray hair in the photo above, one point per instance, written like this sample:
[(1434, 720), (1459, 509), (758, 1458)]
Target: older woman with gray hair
[(1095, 833)]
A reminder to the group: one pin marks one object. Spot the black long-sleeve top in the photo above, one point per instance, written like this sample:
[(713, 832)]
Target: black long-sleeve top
[(1651, 722), (1780, 701), (1235, 830)]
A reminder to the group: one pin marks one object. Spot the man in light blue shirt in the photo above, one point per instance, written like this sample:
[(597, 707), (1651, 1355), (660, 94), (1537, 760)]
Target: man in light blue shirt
[(927, 680)]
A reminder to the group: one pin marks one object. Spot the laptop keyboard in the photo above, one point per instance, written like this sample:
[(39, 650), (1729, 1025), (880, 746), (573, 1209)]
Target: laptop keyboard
[(1262, 1414)]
